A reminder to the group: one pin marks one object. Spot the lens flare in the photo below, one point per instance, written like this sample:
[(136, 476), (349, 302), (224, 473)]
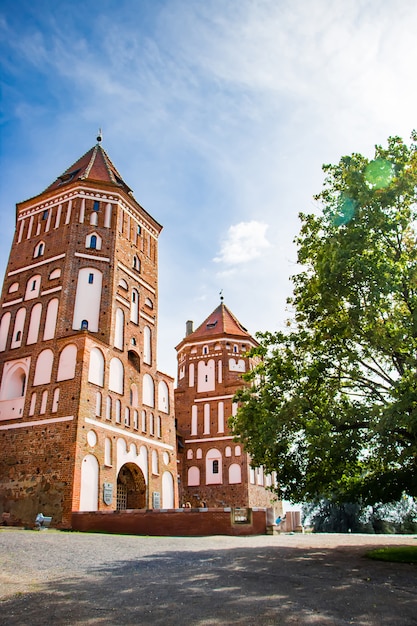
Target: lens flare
[(345, 210), (379, 173)]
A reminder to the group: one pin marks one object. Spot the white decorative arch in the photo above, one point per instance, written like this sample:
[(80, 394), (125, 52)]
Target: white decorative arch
[(4, 330), (43, 370), (88, 299), (34, 323), (51, 319), (89, 484), (206, 376), (235, 474), (148, 392), (19, 324), (67, 362), (214, 474), (33, 287), (167, 490), (119, 328), (163, 397), (96, 367), (147, 345), (134, 307), (155, 462), (193, 477), (116, 375)]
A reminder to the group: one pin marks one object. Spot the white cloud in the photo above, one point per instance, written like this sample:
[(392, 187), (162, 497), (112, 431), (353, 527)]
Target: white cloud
[(244, 242)]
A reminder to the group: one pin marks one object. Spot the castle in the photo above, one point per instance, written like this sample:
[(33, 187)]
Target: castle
[(87, 422)]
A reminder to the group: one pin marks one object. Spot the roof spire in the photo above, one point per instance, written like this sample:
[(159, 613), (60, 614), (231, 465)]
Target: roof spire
[(221, 295), (99, 136)]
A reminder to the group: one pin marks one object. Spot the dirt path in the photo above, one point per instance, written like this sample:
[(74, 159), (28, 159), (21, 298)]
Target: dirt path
[(72, 578)]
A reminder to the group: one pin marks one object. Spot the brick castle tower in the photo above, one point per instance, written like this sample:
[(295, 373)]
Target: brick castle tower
[(86, 419), (214, 469)]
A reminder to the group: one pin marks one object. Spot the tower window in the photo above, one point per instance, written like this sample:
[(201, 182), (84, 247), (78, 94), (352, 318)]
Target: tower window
[(33, 285), (96, 206), (84, 325), (90, 279), (215, 467), (45, 215), (93, 242)]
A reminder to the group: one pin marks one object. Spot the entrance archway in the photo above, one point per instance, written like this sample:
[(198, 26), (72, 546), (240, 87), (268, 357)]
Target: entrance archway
[(131, 488)]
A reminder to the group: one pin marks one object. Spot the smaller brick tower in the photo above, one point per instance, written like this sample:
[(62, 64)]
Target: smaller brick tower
[(214, 469)]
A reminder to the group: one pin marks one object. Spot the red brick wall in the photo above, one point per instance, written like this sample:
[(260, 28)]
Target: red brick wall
[(176, 522)]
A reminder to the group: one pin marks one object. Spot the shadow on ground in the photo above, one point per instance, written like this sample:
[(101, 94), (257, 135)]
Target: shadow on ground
[(276, 585)]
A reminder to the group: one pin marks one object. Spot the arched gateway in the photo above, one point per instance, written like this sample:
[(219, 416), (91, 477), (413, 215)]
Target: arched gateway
[(131, 488)]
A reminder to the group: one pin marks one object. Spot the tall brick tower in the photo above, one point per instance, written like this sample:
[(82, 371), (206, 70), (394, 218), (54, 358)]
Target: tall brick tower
[(214, 469), (86, 419)]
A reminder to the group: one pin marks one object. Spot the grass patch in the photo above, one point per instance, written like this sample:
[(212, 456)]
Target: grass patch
[(395, 554)]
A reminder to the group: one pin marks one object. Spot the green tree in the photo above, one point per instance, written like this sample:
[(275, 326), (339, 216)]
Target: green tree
[(332, 405)]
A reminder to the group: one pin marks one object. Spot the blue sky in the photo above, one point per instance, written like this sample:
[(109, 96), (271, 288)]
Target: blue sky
[(218, 113)]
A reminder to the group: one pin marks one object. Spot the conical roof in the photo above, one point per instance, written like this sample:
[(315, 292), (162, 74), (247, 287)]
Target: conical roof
[(94, 165), (221, 322)]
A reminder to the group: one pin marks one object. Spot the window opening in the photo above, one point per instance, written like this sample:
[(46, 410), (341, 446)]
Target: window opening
[(215, 467), (84, 325), (90, 279), (93, 242), (45, 215), (96, 206)]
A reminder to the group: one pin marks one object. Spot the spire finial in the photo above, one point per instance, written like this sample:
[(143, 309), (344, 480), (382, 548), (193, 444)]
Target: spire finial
[(99, 136), (221, 295)]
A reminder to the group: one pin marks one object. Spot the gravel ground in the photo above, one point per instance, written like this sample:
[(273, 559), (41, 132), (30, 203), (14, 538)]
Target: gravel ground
[(52, 577)]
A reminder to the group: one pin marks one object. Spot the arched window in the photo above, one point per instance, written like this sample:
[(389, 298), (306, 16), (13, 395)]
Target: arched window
[(93, 241), (143, 415), (96, 367), (116, 375), (14, 383), (33, 286), (127, 416), (44, 401), (4, 330), (214, 467), (39, 249), (19, 324), (136, 263), (55, 400), (43, 368), (67, 362), (189, 454), (88, 298), (134, 307), (158, 427)]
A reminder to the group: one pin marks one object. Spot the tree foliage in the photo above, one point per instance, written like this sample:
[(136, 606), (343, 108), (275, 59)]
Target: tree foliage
[(332, 405)]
